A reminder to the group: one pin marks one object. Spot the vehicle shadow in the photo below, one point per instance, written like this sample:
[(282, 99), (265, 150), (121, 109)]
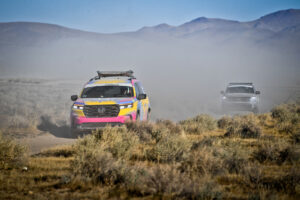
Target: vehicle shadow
[(58, 131)]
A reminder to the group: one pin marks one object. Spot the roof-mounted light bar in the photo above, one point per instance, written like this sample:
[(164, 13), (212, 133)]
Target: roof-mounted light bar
[(102, 74), (240, 83)]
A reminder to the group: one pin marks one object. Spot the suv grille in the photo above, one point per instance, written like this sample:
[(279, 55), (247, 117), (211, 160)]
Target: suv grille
[(240, 99), (101, 111), (98, 125)]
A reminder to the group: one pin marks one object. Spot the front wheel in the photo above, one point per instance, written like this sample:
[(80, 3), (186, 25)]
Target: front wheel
[(74, 132), (224, 110), (148, 115), (137, 116), (255, 110)]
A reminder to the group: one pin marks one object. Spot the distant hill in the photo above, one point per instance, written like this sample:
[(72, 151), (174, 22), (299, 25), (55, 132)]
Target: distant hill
[(278, 21), (31, 33)]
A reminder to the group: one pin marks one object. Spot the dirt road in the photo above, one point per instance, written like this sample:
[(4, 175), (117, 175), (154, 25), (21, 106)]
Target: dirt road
[(45, 141)]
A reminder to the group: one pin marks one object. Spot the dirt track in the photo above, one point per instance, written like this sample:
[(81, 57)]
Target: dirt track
[(39, 143)]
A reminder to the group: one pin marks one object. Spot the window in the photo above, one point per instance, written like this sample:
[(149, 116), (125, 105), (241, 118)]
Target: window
[(138, 88), (107, 92), (240, 89)]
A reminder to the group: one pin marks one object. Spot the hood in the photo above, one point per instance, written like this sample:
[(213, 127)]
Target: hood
[(98, 101), (240, 95)]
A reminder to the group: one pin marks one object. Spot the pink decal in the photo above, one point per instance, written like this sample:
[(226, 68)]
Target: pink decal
[(133, 116), (124, 100), (120, 119)]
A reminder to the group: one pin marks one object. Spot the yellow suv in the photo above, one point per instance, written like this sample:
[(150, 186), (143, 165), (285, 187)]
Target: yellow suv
[(109, 98)]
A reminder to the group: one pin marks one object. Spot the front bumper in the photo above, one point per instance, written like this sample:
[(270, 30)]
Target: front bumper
[(240, 106), (99, 125), (85, 123)]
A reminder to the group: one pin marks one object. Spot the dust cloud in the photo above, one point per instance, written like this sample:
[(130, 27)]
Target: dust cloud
[(183, 76)]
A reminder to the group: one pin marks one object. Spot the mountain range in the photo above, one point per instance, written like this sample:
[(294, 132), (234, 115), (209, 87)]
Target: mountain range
[(278, 24)]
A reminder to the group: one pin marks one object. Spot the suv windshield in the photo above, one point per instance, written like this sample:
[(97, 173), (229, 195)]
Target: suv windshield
[(240, 89), (107, 92)]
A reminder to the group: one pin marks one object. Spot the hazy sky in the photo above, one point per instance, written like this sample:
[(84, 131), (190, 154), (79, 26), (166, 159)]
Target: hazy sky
[(121, 15)]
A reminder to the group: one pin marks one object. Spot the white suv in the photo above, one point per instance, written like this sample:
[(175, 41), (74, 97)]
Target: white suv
[(240, 96)]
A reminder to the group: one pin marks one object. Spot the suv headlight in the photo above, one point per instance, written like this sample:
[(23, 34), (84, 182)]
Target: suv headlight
[(253, 99), (126, 106), (78, 107)]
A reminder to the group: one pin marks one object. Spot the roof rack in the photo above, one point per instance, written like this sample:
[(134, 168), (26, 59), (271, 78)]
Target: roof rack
[(240, 83), (128, 73), (102, 74)]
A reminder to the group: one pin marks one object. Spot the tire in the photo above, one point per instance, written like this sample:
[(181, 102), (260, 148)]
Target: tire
[(74, 132), (255, 110), (137, 119), (148, 115), (224, 110)]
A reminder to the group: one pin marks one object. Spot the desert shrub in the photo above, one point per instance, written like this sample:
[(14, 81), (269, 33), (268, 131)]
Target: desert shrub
[(263, 118), (286, 183), (95, 164), (167, 181), (162, 179), (296, 138), (275, 153), (98, 166), (89, 141), (199, 124), (64, 151), (286, 127), (12, 155), (166, 128), (119, 141), (147, 130), (144, 130), (265, 195), (169, 148), (234, 163), (100, 157), (244, 127), (280, 113), (252, 176), (173, 127), (202, 162), (285, 112), (287, 117), (206, 141), (207, 190), (224, 122)]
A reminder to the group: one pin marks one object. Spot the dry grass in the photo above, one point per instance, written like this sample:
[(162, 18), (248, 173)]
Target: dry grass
[(287, 117), (276, 152), (243, 126), (169, 148), (162, 160), (12, 155), (59, 151), (199, 124)]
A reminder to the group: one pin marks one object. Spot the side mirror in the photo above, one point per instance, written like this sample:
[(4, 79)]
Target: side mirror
[(257, 92), (142, 96), (222, 92), (74, 97)]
